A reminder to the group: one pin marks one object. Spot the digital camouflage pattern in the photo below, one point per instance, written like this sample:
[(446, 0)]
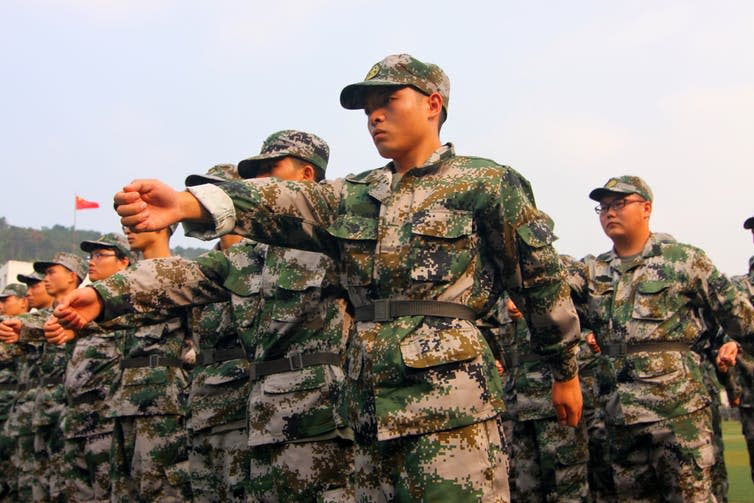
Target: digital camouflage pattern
[(548, 462), (430, 227), (456, 229), (743, 371), (399, 70), (655, 298), (10, 354), (656, 401), (300, 312), (288, 143)]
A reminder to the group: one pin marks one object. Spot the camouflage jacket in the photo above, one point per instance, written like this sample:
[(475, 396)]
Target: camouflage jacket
[(92, 375), (743, 372), (457, 229), (19, 420), (657, 297), (10, 354), (282, 304)]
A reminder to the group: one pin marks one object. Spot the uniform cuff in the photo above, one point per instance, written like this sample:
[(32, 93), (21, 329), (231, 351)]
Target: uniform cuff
[(220, 207)]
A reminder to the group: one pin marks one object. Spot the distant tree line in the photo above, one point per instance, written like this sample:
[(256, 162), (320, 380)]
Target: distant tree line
[(23, 243)]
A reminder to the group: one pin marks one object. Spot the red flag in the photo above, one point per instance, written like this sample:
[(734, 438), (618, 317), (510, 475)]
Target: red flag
[(83, 204)]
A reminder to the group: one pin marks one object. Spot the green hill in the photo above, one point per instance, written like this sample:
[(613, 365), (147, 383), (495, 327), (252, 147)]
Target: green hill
[(23, 243)]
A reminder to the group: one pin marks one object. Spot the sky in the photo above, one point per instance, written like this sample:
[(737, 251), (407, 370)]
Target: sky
[(96, 93)]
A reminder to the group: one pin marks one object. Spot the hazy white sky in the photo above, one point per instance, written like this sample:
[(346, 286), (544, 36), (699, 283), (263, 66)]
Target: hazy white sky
[(95, 93)]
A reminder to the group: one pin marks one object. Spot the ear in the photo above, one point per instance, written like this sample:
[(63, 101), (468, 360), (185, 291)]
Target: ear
[(434, 102), (307, 173)]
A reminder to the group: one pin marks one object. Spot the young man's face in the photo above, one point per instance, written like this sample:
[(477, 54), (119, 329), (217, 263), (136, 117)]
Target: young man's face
[(104, 262), (627, 221), (397, 120), (59, 280), (286, 169), (38, 296), (13, 305), (139, 241)]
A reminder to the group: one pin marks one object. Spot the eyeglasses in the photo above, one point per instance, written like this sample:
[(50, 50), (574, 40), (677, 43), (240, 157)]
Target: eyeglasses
[(616, 205), (100, 255)]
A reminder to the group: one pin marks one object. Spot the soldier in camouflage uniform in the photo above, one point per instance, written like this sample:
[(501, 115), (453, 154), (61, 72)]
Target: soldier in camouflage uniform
[(91, 376), (548, 460), (424, 246), (9, 357), (36, 292), (642, 301), (44, 402), (744, 368), (301, 449)]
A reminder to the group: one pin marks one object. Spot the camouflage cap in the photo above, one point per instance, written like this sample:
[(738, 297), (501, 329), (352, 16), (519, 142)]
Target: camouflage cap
[(749, 223), (218, 173), (72, 262), (289, 142), (16, 289), (623, 185), (399, 70), (30, 279), (110, 240)]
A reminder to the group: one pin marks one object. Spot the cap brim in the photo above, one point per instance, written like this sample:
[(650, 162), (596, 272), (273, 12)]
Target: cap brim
[(749, 223), (352, 96), (193, 180), (248, 168), (41, 267), (27, 280), (88, 246), (598, 194)]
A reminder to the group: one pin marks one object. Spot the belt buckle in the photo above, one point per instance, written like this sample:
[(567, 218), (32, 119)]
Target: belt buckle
[(252, 372), (622, 348), (207, 357), (382, 310), (292, 361), (154, 361)]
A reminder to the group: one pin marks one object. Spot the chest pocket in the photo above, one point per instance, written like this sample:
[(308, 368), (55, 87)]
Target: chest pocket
[(358, 239), (600, 296), (297, 276), (442, 244), (653, 301)]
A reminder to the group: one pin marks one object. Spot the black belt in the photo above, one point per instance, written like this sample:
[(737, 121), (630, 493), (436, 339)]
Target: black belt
[(293, 362), (8, 387), (621, 348), (385, 310), (515, 359), (210, 356), (26, 386), (150, 361)]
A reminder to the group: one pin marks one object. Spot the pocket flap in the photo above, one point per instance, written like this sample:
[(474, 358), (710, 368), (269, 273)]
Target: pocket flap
[(443, 223), (429, 348), (536, 234), (299, 380), (652, 286), (354, 227)]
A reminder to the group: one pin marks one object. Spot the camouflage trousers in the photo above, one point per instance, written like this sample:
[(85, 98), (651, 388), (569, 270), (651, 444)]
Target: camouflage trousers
[(463, 464), (49, 464), (87, 461), (599, 472), (219, 465), (719, 473), (8, 483), (25, 463), (548, 462), (301, 471), (668, 460), (149, 458), (747, 428)]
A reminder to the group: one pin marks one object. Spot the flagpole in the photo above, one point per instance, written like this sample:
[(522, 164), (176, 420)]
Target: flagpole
[(73, 244)]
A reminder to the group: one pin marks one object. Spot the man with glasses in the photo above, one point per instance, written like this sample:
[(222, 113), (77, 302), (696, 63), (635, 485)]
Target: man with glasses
[(643, 299)]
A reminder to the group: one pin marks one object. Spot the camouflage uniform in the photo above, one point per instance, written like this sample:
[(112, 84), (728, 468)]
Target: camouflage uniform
[(149, 453), (744, 372), (423, 393), (548, 461), (644, 311), (10, 354)]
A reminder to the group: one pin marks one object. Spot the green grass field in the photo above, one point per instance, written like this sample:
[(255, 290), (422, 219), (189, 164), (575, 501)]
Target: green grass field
[(741, 489)]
